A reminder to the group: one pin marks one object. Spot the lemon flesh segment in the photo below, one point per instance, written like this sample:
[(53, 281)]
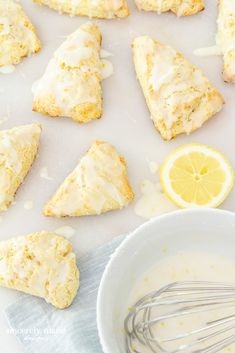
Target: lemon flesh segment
[(196, 175)]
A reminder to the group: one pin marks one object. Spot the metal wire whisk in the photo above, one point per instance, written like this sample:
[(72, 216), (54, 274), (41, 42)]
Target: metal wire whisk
[(152, 320)]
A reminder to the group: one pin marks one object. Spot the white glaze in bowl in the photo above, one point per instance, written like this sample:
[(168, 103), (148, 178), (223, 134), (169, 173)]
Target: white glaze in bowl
[(198, 230)]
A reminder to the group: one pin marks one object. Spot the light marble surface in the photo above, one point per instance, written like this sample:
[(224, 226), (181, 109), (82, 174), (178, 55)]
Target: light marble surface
[(125, 123)]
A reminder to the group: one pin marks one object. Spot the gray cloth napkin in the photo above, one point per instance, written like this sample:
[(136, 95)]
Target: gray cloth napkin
[(42, 328)]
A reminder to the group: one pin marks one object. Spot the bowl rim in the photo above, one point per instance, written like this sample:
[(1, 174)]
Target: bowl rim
[(102, 287)]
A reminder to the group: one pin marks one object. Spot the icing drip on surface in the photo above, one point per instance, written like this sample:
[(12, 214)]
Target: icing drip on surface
[(153, 202)]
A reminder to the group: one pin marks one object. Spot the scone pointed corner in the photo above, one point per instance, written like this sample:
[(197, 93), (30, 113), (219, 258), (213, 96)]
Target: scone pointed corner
[(98, 9), (18, 149), (18, 38), (97, 185), (71, 84), (179, 96), (46, 267)]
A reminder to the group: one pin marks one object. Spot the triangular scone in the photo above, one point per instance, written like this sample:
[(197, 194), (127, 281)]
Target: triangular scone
[(97, 8), (226, 37), (18, 149), (179, 7), (17, 34), (71, 85), (40, 264), (179, 96), (98, 184)]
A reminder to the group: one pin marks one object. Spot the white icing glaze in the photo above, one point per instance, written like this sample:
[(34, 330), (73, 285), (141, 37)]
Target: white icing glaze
[(4, 186), (226, 26), (38, 269), (153, 201), (66, 231), (28, 205), (164, 69), (185, 266), (106, 69), (226, 32), (76, 48), (89, 187), (7, 69), (153, 167), (4, 270), (15, 29), (4, 26), (10, 142), (110, 5), (105, 54), (208, 51), (176, 85), (44, 174), (8, 147), (159, 6), (182, 8), (66, 85), (61, 275)]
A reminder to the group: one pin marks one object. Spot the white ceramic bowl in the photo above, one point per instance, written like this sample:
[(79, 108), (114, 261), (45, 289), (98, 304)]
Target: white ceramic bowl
[(190, 230)]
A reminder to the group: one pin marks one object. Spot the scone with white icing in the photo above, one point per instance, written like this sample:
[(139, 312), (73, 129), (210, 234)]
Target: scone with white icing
[(91, 8), (71, 85), (40, 264), (226, 37), (179, 96), (98, 184), (18, 37), (18, 149), (179, 7)]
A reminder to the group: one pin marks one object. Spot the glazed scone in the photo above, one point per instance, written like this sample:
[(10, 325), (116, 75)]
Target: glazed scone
[(179, 7), (71, 85), (18, 149), (98, 184), (91, 8), (179, 96), (18, 37), (40, 264), (226, 37)]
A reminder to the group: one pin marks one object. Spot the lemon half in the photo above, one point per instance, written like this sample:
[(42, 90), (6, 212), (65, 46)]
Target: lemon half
[(197, 175)]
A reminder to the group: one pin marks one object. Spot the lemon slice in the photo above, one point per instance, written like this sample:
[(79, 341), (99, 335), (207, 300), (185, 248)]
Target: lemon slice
[(197, 175)]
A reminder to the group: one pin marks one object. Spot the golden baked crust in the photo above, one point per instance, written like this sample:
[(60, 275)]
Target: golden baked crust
[(17, 35), (40, 264), (179, 7), (179, 96), (18, 149), (226, 37), (98, 9), (98, 184), (71, 85)]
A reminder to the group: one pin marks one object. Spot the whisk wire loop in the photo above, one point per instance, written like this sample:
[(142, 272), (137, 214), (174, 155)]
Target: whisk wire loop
[(180, 301)]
